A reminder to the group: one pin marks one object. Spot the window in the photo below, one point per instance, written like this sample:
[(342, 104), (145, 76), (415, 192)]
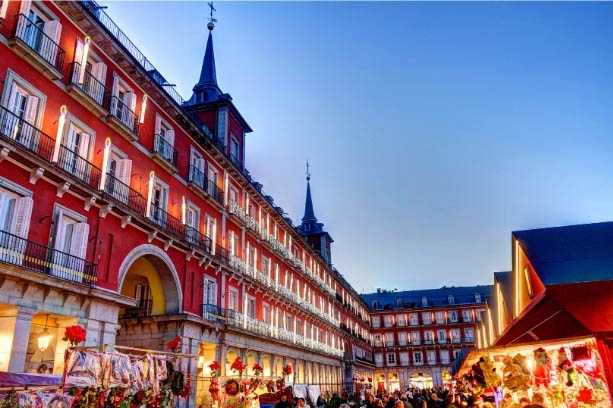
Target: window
[(196, 168), (210, 291), (455, 353), (233, 241), (144, 298), (431, 356), (164, 139), (123, 102), (378, 340), (450, 299), (234, 150), (399, 303), (469, 333), (404, 358), (233, 195), (266, 313), (455, 335), (222, 125), (289, 322), (119, 175), (379, 359), (389, 339), (159, 202), (388, 320), (211, 184), (415, 338), (441, 334), (233, 299), (467, 315), (445, 356), (211, 231), (266, 265), (251, 307), (391, 358), (440, 317), (41, 31), (91, 77), (401, 320), (428, 337), (77, 148), (453, 316), (426, 317), (375, 305), (376, 321), (414, 319), (192, 222), (15, 213), (418, 358), (70, 237), (402, 338), (477, 297), (424, 301)]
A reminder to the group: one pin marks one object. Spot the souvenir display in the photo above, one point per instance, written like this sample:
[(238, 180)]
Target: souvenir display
[(564, 374)]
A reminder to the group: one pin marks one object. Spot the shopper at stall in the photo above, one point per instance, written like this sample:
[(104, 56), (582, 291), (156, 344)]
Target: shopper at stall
[(283, 402)]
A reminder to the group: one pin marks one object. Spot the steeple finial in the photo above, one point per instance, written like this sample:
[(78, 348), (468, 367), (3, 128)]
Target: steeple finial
[(212, 21), (308, 174)]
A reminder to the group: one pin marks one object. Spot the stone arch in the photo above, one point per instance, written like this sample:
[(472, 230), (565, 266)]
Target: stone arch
[(165, 269), (251, 360), (266, 365)]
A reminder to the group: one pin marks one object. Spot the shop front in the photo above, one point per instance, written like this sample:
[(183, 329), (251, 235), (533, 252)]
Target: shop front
[(552, 374)]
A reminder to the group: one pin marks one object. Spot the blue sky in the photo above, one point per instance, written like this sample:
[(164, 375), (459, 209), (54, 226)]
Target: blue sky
[(433, 129)]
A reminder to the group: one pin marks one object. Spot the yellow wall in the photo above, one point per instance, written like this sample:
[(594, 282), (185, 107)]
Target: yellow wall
[(143, 272)]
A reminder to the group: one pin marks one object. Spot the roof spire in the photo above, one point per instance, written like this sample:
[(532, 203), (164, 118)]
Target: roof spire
[(207, 89), (309, 213)]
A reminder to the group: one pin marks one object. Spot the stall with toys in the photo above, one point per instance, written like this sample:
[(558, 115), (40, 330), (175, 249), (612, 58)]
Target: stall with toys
[(103, 377), (555, 374)]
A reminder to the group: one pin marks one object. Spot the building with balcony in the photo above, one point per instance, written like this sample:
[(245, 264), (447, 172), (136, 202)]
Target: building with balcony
[(129, 210), (417, 334)]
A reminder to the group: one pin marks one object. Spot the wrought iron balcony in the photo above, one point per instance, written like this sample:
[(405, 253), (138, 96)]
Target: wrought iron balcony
[(198, 178), (17, 131), (79, 167), (90, 86), (235, 209), (34, 37), (143, 308), (30, 255), (167, 222), (198, 240), (124, 114), (165, 150), (125, 194)]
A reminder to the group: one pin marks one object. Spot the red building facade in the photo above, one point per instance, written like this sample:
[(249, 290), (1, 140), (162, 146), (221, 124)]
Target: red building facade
[(129, 210), (418, 334)]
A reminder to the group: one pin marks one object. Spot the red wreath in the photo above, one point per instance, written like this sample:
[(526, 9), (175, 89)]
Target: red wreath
[(287, 370), (214, 366), (174, 345), (75, 335), (257, 369)]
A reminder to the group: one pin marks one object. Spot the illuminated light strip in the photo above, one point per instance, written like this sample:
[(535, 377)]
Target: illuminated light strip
[(84, 59), (105, 161), (143, 109), (150, 194), (183, 210), (60, 131), (516, 278), (499, 307)]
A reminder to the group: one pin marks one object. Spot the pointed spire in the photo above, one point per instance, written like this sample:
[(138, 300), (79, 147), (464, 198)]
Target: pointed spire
[(309, 213), (208, 74)]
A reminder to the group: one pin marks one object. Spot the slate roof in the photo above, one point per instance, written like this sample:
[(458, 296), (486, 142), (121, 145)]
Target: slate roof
[(505, 280), (436, 297), (570, 254)]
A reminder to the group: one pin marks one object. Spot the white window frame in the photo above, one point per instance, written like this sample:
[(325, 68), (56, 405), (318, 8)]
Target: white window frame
[(391, 359), (376, 321), (233, 291), (13, 77), (418, 358), (209, 280), (414, 319)]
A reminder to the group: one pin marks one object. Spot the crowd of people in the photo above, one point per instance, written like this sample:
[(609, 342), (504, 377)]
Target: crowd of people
[(411, 398)]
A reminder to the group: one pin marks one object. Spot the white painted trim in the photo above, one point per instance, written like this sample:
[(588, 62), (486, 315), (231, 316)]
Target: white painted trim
[(12, 76)]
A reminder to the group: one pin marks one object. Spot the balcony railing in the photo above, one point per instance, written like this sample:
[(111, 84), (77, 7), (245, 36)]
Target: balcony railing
[(196, 176), (125, 115), (36, 39), (125, 194), (165, 150), (90, 85), (468, 340), (16, 130), (142, 309), (30, 255), (79, 167), (198, 240), (222, 254), (167, 222)]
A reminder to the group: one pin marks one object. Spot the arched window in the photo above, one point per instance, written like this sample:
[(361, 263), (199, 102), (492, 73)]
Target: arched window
[(375, 304), (450, 299)]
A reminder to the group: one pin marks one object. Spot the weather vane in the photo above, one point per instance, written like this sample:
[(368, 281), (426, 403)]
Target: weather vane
[(212, 20), (308, 174)]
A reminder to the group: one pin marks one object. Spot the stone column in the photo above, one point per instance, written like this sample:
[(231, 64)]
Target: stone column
[(21, 336), (61, 345), (221, 357)]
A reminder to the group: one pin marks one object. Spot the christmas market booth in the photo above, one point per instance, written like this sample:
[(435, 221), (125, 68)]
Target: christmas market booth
[(554, 374)]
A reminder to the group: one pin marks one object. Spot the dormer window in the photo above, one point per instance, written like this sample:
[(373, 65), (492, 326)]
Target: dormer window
[(424, 301), (477, 297), (528, 282), (375, 304), (399, 303), (450, 299)]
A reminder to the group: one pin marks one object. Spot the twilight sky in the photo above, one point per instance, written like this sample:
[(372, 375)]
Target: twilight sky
[(433, 129)]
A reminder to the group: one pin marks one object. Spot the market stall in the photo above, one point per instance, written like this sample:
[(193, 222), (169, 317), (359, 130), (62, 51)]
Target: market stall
[(565, 373)]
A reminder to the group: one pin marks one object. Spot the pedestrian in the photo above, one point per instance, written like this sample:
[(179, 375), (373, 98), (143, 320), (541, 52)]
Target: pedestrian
[(300, 403), (321, 402), (405, 401), (283, 402)]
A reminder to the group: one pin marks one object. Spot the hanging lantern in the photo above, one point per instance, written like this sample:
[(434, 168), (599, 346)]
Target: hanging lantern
[(44, 339)]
